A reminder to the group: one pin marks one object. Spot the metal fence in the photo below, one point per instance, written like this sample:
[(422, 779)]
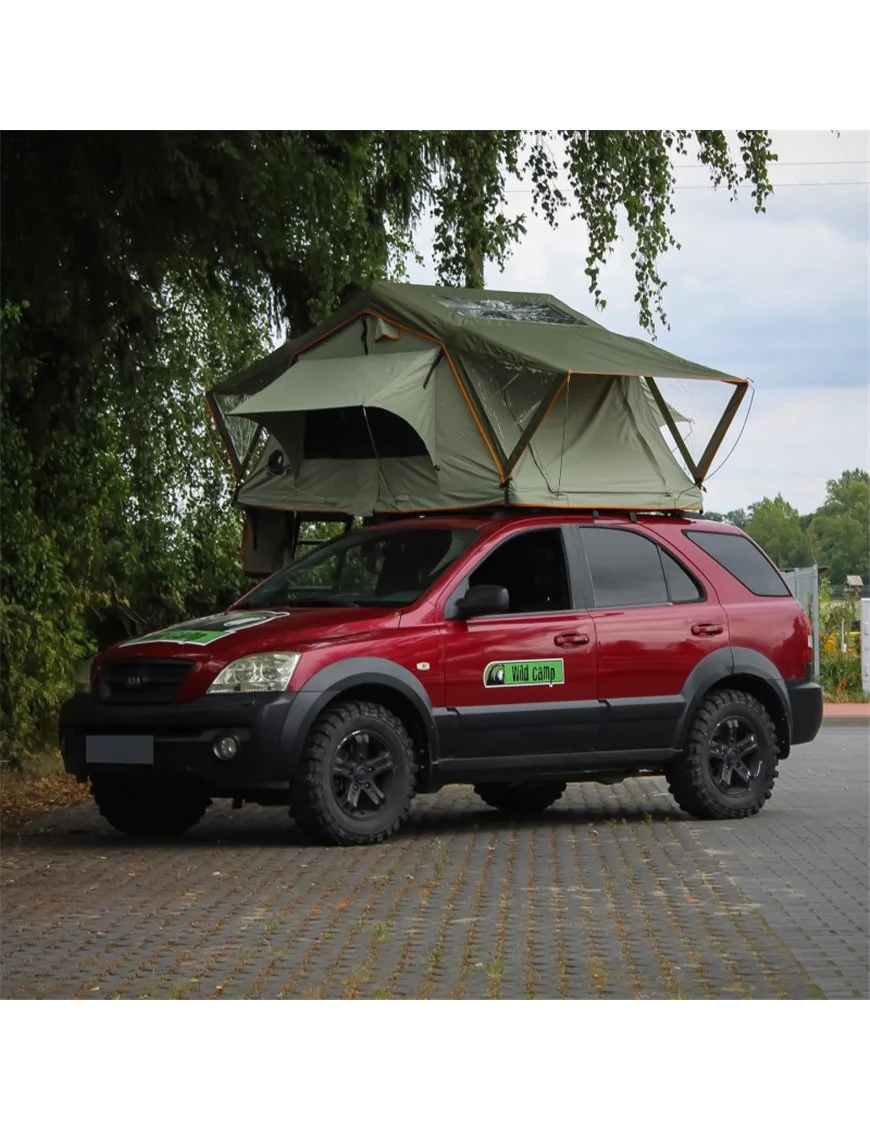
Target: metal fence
[(804, 583), (841, 592)]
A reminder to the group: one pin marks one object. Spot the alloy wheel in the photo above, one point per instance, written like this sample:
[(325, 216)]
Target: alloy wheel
[(734, 756), (362, 773)]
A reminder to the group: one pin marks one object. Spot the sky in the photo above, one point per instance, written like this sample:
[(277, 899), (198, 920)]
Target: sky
[(781, 297)]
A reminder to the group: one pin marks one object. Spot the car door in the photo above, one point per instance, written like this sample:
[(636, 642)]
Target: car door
[(523, 682), (654, 623)]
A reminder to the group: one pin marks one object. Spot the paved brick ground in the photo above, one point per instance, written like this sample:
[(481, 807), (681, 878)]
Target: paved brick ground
[(611, 893)]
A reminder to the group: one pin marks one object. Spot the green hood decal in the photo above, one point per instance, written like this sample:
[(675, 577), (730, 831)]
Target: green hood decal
[(205, 630)]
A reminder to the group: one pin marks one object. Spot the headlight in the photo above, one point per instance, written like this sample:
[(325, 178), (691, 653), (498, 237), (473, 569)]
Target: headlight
[(83, 676), (268, 671)]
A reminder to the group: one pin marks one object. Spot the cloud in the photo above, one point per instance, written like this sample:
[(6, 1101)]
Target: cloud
[(781, 297), (794, 441)]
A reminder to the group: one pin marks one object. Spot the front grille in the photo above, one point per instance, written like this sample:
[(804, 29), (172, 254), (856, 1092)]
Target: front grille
[(142, 681)]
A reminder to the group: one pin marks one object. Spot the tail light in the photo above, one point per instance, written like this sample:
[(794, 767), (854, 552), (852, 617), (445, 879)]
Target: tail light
[(810, 652)]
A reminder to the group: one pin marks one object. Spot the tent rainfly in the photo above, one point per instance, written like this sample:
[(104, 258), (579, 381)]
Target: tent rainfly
[(415, 398)]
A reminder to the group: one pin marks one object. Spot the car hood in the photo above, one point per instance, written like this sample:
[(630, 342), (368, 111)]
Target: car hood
[(239, 632)]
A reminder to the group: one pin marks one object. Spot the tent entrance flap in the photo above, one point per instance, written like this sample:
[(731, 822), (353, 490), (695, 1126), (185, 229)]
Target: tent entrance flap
[(370, 406)]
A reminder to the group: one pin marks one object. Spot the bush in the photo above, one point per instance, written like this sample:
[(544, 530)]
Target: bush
[(839, 670), (841, 677)]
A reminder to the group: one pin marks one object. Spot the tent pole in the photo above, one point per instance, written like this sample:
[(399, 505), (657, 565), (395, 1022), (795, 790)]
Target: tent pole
[(532, 427), (217, 416), (721, 428), (674, 431), (250, 450), (470, 394)]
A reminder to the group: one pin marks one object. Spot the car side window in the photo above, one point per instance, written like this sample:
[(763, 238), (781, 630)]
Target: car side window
[(629, 570), (533, 570), (682, 587)]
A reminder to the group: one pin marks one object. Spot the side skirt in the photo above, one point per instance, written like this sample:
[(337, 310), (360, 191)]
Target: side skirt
[(595, 766)]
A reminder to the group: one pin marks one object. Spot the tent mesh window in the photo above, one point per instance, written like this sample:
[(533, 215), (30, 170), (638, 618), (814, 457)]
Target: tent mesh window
[(357, 433), (511, 310), (241, 431)]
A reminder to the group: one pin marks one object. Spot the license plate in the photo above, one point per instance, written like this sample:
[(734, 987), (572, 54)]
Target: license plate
[(119, 749)]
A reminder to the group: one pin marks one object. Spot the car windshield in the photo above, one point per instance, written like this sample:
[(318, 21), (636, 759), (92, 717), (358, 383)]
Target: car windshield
[(382, 567)]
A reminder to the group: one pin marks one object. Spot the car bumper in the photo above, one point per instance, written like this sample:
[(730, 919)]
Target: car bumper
[(807, 707), (183, 737)]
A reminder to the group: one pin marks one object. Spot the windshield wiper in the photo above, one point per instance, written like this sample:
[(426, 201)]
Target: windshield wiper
[(321, 602), (306, 603)]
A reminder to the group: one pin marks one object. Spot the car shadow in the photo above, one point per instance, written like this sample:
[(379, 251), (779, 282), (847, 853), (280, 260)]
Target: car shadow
[(80, 829), (435, 823)]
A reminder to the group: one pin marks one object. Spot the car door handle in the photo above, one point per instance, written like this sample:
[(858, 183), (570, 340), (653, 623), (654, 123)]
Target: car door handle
[(707, 629), (571, 639)]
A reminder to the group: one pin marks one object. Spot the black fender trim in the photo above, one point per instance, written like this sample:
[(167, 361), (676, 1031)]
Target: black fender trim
[(335, 679), (730, 663), (711, 670)]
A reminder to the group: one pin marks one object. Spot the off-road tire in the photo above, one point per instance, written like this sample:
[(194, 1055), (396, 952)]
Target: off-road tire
[(522, 798), (146, 809), (316, 803), (691, 778)]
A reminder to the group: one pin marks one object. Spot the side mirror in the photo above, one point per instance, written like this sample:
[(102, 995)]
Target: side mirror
[(481, 600)]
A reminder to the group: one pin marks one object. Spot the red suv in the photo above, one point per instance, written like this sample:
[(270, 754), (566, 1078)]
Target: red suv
[(515, 651)]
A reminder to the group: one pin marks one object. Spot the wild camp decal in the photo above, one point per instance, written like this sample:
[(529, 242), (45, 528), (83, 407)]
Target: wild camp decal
[(523, 673), (205, 630)]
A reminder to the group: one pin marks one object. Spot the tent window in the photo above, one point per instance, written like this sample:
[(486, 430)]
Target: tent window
[(512, 310), (345, 433)]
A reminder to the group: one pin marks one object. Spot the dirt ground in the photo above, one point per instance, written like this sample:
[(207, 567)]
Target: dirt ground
[(25, 796)]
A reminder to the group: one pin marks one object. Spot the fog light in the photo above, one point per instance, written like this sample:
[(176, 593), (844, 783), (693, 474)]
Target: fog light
[(226, 748)]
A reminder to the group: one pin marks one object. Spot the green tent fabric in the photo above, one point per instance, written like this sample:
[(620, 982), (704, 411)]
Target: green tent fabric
[(395, 383), (413, 398)]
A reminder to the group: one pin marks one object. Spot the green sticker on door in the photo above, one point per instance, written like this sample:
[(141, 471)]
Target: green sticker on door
[(524, 673)]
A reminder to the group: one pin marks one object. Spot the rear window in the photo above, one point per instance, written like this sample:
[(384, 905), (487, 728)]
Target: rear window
[(743, 560)]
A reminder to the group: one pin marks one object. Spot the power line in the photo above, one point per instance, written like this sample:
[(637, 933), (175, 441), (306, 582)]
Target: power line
[(744, 184), (789, 184), (784, 164)]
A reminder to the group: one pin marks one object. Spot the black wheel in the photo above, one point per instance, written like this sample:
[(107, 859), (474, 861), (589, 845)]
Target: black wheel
[(148, 809), (355, 781), (730, 761), (520, 797)]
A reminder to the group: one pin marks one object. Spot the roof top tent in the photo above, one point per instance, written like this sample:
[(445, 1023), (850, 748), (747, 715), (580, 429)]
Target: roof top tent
[(413, 399)]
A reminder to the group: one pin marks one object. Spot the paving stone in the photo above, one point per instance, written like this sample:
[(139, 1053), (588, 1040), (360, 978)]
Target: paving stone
[(612, 893)]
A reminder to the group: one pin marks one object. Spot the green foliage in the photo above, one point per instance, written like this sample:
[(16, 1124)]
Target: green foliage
[(775, 525), (736, 517), (839, 532), (139, 268), (629, 174), (840, 677), (839, 669)]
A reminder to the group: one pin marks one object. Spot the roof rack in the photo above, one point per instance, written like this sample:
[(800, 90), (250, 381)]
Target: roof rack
[(633, 513)]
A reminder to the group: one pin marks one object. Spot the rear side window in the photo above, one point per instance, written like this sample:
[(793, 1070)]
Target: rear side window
[(681, 585), (743, 560), (628, 570)]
